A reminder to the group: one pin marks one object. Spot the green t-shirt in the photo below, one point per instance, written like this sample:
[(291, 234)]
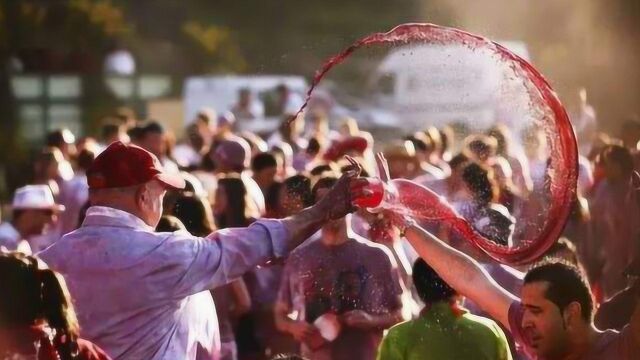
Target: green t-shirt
[(440, 334)]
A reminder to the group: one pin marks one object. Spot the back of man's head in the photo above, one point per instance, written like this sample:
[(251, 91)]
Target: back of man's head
[(135, 134), (566, 284), (263, 161), (300, 187), (152, 127), (431, 288)]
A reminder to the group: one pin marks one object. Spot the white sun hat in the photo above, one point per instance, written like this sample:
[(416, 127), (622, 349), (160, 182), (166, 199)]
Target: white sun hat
[(35, 197)]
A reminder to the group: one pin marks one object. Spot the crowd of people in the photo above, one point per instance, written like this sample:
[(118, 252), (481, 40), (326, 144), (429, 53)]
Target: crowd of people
[(232, 245)]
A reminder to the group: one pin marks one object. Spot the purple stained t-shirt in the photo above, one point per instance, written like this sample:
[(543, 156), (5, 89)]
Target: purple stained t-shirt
[(610, 344), (356, 275)]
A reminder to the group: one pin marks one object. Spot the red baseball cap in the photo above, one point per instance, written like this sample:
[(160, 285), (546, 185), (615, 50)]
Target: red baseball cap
[(124, 165)]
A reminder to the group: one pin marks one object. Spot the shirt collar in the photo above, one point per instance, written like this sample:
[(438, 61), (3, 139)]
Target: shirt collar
[(443, 310), (108, 216)]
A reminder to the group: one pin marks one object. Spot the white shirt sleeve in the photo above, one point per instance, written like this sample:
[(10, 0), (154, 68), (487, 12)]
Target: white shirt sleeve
[(196, 264)]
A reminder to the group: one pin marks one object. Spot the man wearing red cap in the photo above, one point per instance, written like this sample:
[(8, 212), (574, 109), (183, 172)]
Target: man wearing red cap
[(143, 295)]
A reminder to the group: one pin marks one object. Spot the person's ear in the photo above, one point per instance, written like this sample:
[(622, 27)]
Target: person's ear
[(572, 314), (142, 195)]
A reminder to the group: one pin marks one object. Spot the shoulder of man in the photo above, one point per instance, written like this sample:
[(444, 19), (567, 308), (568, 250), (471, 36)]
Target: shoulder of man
[(401, 329), (303, 251), (396, 338), (614, 344), (132, 246)]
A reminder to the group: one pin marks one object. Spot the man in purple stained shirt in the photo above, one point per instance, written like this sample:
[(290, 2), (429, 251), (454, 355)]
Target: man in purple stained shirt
[(144, 295), (553, 318), (343, 277)]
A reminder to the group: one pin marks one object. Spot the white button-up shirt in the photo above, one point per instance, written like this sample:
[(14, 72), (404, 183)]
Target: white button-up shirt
[(143, 295)]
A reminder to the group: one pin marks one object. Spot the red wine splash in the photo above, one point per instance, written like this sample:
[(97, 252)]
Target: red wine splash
[(563, 168)]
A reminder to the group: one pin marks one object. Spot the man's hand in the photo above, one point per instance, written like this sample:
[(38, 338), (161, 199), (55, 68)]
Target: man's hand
[(335, 204), (358, 319), (338, 202), (302, 331)]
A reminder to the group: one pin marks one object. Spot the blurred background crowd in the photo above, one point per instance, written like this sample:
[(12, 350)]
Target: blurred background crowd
[(80, 75)]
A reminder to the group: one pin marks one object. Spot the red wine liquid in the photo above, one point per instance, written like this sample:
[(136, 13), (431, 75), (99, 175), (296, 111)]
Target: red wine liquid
[(562, 172)]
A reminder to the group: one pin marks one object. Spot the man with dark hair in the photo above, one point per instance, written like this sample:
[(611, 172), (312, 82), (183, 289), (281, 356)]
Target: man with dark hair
[(340, 284), (135, 134), (566, 284), (295, 194), (112, 132), (264, 167), (553, 317), (153, 138), (444, 330)]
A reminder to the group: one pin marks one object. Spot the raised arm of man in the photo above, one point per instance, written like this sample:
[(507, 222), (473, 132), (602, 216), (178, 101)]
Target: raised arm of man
[(457, 269)]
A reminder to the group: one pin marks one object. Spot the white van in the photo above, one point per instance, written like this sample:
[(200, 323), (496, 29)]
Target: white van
[(417, 86), (221, 94)]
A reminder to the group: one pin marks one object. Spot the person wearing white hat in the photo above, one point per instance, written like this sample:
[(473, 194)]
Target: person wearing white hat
[(34, 209)]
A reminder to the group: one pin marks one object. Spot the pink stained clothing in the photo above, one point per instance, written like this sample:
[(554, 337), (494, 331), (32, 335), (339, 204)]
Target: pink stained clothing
[(609, 345), (144, 295), (355, 275)]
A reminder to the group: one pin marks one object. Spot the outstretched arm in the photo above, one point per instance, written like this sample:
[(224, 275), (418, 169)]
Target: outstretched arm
[(460, 271)]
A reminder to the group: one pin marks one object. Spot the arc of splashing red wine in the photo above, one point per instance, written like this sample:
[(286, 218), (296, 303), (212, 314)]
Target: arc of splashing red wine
[(564, 162)]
